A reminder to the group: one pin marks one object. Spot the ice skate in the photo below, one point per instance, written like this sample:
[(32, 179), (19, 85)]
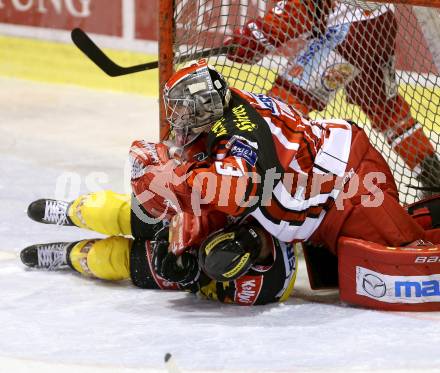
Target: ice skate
[(50, 211), (49, 256)]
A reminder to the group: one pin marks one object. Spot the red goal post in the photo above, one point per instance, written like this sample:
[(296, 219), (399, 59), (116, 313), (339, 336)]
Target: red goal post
[(190, 26)]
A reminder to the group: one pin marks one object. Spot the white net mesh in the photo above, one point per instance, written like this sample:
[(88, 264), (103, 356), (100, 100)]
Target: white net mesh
[(375, 64)]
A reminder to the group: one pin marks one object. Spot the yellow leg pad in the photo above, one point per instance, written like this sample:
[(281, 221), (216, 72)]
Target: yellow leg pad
[(105, 212), (107, 259)]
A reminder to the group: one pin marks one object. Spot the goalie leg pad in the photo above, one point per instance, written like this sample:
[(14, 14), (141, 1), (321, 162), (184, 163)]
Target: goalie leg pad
[(105, 212), (432, 235), (107, 259), (389, 278)]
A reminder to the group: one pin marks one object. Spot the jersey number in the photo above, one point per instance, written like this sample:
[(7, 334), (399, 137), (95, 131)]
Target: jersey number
[(227, 170)]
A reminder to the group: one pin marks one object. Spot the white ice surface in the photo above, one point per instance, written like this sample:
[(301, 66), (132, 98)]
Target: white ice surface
[(51, 322)]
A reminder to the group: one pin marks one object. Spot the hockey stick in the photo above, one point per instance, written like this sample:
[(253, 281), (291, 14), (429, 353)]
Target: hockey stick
[(92, 51), (432, 189)]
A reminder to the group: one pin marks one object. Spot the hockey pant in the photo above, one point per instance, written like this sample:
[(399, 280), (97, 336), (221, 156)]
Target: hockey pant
[(367, 212)]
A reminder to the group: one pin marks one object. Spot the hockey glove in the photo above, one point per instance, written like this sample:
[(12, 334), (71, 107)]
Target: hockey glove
[(143, 154), (188, 230), (183, 269), (158, 182)]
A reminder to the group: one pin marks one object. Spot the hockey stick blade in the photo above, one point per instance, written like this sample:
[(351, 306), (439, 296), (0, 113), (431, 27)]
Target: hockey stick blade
[(94, 53)]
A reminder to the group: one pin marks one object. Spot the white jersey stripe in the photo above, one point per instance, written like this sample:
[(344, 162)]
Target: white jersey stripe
[(296, 204), (285, 232), (276, 131), (406, 134)]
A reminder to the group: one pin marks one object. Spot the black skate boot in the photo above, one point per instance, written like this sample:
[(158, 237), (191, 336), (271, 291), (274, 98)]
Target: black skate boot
[(49, 256), (50, 211)]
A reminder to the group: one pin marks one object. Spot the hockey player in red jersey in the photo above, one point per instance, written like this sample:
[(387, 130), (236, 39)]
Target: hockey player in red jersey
[(315, 181), (350, 46), (251, 137), (258, 158)]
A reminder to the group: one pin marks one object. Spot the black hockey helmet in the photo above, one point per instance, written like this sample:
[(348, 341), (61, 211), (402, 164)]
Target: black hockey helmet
[(228, 254)]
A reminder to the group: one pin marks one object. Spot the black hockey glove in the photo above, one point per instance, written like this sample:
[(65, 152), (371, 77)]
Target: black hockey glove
[(182, 269)]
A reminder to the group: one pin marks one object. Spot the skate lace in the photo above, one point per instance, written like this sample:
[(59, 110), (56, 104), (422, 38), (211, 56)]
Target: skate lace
[(56, 212), (52, 256)]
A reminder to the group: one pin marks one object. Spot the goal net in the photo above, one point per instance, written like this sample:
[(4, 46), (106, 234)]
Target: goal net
[(376, 64)]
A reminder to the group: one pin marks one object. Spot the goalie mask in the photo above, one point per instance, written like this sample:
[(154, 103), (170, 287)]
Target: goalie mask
[(194, 99), (228, 255)]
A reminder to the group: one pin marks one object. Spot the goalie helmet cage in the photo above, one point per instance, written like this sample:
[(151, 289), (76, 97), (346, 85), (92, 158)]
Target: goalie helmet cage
[(192, 26)]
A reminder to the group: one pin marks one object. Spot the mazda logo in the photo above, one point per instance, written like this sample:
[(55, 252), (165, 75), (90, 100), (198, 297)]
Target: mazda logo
[(374, 285)]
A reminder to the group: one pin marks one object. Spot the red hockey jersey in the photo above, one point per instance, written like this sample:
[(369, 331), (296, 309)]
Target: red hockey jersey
[(268, 161)]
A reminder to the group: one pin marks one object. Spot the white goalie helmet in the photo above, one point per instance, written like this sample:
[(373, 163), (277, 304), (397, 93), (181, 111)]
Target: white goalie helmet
[(194, 98)]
